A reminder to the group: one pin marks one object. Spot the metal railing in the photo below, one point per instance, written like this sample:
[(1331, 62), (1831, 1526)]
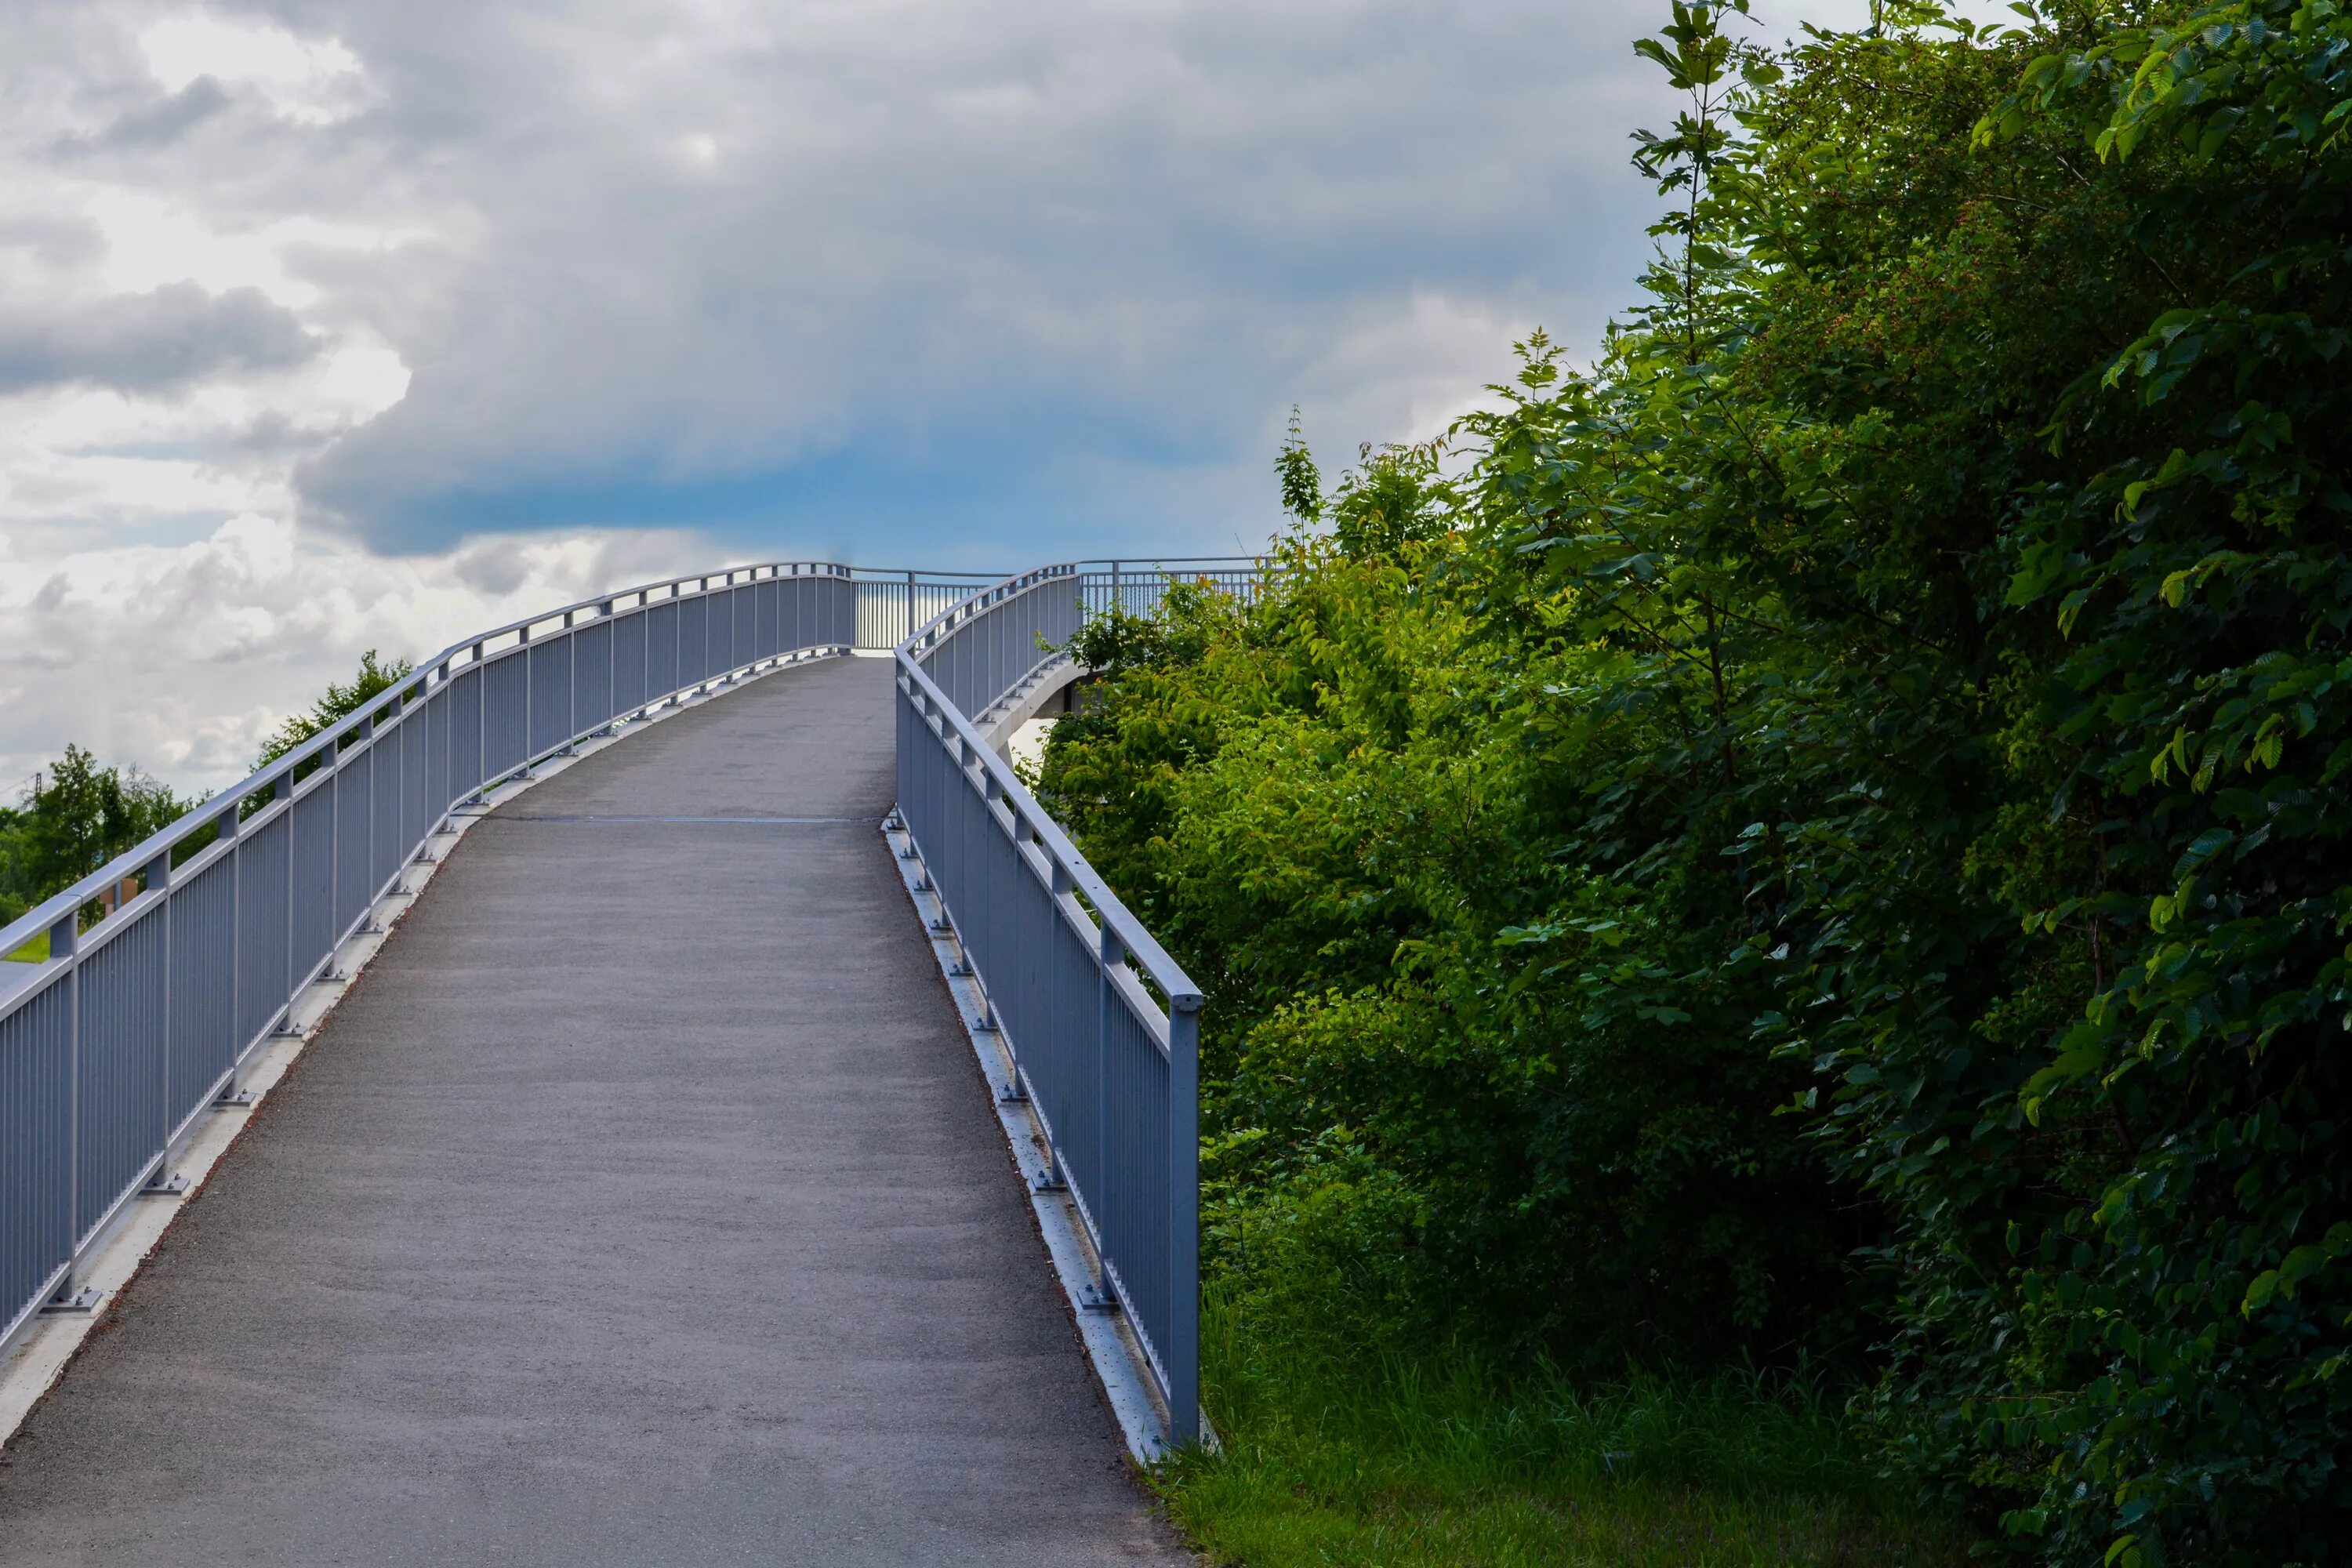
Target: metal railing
[(1139, 586), (113, 1048), (892, 605), (1101, 1026)]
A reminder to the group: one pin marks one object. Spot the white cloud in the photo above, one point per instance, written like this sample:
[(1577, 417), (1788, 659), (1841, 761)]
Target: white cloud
[(306, 300), (721, 241), (181, 658), (310, 82), (1409, 372)]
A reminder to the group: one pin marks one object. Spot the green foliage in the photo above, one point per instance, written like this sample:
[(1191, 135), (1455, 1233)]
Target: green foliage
[(1302, 484), (1395, 497), (76, 816), (1832, 828), (16, 882), (1455, 1465), (374, 678), (1438, 1050)]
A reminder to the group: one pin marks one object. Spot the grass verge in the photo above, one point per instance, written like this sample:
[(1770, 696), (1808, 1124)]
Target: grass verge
[(1403, 1465)]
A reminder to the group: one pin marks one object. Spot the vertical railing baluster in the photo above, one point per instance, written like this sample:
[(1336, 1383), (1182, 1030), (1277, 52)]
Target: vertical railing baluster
[(285, 791), (65, 941), (481, 723), (523, 640), (158, 878), (1183, 1351), (227, 833), (1109, 951), (571, 670)]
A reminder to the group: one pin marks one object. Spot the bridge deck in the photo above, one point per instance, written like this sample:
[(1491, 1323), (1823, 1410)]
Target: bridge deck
[(640, 1203)]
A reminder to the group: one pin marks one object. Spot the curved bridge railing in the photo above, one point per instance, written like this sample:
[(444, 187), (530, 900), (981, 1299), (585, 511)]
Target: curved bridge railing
[(1102, 1028), (113, 1048)]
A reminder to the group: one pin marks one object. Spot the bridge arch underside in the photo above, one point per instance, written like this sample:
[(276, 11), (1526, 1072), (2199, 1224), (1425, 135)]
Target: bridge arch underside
[(640, 1203)]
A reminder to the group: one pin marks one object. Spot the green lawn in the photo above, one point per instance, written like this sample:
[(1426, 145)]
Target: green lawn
[(34, 951), (1395, 1469)]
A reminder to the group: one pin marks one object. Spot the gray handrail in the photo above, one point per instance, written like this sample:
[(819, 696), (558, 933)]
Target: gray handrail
[(112, 1048), (456, 656), (1099, 1025), (1112, 915)]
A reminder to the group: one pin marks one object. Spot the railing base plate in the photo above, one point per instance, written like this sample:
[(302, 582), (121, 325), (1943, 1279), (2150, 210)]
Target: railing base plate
[(82, 1301)]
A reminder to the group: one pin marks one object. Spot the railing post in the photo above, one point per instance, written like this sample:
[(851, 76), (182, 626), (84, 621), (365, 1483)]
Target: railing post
[(571, 665), (1109, 952), (523, 640), (438, 791), (158, 877), (481, 723), (65, 940), (285, 791), (226, 832), (365, 732), (1183, 1349), (612, 662)]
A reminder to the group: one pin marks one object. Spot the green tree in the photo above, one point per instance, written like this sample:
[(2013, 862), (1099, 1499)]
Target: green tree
[(1861, 767), (77, 816), (374, 678), (15, 875)]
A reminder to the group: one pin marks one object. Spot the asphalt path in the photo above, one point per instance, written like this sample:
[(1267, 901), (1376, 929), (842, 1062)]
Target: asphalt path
[(641, 1203)]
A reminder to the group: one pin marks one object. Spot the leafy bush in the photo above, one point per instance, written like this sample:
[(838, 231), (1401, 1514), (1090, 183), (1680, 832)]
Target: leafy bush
[(1832, 828), (1348, 816)]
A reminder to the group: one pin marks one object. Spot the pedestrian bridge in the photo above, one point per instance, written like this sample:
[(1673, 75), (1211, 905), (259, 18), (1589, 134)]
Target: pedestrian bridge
[(707, 1113)]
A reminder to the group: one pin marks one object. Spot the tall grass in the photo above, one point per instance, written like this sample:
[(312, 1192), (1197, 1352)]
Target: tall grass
[(1327, 1459)]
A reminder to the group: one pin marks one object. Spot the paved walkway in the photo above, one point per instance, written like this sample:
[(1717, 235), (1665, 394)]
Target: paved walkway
[(640, 1203)]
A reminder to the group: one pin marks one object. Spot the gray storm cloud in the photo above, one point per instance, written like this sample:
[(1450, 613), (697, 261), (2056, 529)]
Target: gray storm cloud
[(621, 246), (151, 342), (711, 243), (330, 324), (156, 125)]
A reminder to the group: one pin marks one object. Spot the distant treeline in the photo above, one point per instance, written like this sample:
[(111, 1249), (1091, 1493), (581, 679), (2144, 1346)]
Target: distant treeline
[(75, 816), (77, 813)]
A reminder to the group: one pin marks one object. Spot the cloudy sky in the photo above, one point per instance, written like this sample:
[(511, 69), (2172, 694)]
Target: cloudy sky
[(330, 324)]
